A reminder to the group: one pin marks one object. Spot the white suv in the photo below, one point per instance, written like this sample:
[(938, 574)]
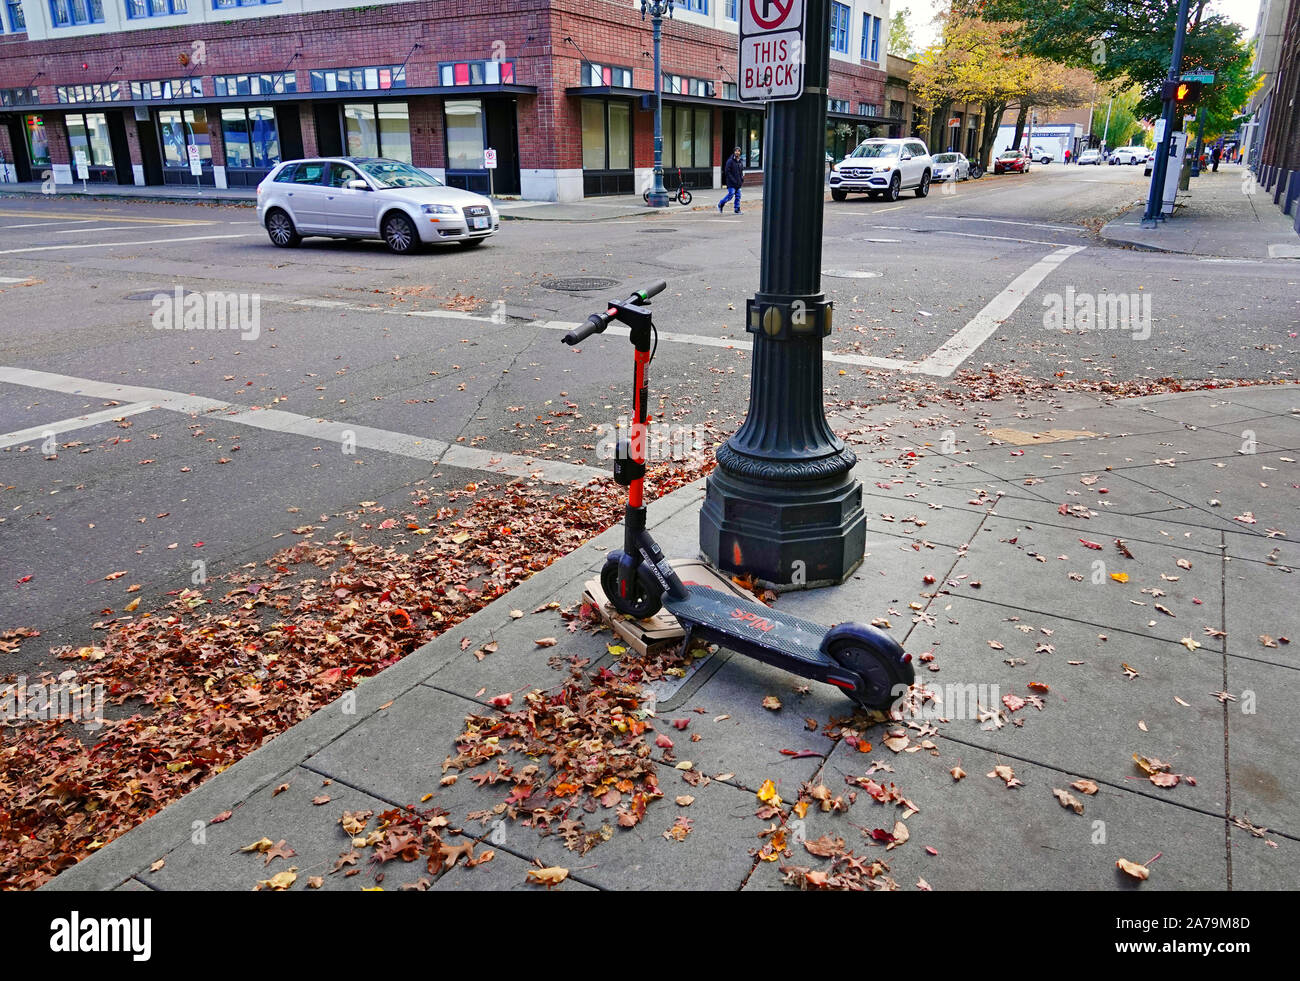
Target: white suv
[(883, 167), (1129, 155)]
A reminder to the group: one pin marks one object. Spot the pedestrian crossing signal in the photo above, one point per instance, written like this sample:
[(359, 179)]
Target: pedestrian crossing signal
[(1182, 93)]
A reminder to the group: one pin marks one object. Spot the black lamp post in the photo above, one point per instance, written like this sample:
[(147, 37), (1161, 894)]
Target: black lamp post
[(656, 9), (783, 504)]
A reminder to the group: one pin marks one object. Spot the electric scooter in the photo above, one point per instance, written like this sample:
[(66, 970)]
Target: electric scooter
[(866, 663)]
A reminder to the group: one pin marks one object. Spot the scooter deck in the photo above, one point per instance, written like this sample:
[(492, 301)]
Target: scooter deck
[(751, 627)]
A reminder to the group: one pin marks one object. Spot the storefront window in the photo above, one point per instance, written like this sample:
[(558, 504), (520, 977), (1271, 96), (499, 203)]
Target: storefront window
[(606, 134), (250, 136), (179, 129), (38, 147), (688, 137), (361, 132), (89, 132), (395, 131), (464, 134)]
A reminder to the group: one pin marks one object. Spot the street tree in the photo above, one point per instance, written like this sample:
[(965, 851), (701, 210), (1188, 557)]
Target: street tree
[(901, 43)]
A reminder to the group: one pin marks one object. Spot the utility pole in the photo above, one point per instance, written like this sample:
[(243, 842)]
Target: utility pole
[(1156, 195), (657, 9), (783, 504)]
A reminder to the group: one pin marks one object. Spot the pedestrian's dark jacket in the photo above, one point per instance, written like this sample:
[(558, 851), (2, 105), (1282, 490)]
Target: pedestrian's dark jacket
[(733, 173)]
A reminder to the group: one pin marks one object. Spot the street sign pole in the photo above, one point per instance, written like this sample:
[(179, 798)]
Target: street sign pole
[(1155, 196), (782, 503)]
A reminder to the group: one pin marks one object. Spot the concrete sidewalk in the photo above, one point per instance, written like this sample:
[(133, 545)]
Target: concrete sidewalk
[(1225, 215), (1111, 577), (591, 209)]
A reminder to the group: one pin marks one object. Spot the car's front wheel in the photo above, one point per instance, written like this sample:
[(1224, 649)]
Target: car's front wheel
[(279, 227), (923, 188), (839, 195), (399, 234), (895, 187)]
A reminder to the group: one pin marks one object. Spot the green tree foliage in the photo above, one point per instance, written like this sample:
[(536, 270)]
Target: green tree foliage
[(1131, 41), (901, 42), (1125, 127)]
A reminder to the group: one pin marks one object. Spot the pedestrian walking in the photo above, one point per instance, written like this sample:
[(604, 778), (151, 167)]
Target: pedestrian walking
[(733, 176), (1218, 152), (1067, 155)]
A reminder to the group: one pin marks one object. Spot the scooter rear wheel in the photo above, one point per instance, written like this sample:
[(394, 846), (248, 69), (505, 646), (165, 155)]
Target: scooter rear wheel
[(880, 664), (641, 604)]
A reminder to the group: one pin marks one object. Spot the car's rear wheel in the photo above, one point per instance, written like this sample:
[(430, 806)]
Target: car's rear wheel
[(838, 195), (895, 187), (399, 234), (279, 227), (923, 188)]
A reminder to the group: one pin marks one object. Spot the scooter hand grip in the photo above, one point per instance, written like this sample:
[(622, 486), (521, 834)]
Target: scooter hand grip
[(654, 289), (595, 324)]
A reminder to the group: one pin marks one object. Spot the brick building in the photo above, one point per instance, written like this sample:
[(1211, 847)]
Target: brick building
[(1274, 141), (214, 92)]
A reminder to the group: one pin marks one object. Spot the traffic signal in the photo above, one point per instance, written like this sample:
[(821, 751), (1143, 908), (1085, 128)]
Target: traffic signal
[(1182, 93)]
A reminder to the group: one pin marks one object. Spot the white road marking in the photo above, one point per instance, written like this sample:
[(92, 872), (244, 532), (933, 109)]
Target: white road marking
[(13, 279), (1005, 221), (967, 340), (124, 228), (401, 444), (995, 238), (42, 224), (118, 245), (67, 425)]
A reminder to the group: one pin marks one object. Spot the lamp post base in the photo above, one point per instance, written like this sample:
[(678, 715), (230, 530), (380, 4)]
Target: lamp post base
[(788, 536), (658, 199)]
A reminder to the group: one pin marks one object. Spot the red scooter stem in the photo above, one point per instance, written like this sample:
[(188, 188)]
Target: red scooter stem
[(640, 426)]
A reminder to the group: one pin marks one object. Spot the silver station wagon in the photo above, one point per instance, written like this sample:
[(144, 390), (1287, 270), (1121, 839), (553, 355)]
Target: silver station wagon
[(370, 197)]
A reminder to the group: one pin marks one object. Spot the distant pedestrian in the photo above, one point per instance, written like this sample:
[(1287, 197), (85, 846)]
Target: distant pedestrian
[(733, 175), (1218, 152), (1067, 156)]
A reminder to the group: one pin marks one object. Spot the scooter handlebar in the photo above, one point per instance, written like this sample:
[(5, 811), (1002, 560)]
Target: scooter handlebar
[(597, 322)]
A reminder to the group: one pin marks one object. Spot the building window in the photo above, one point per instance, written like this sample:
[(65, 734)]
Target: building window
[(19, 97), (839, 27), (875, 39), (358, 79), (489, 72), (179, 129), (867, 109), (88, 132), (696, 6), (682, 85), (594, 74), (265, 84), (606, 134), (377, 130), (100, 92), (135, 9), (688, 137), (168, 88), (895, 109), (730, 91), (17, 19), (250, 136), (67, 13), (229, 4), (38, 146), (837, 105), (465, 137), (749, 137), (731, 9)]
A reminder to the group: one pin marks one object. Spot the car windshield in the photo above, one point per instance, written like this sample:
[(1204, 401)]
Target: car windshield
[(394, 173), (945, 158), (875, 150), (1009, 155)]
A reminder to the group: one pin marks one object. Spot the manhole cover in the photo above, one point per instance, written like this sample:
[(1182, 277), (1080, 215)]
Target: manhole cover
[(648, 230), (579, 284), (851, 273)]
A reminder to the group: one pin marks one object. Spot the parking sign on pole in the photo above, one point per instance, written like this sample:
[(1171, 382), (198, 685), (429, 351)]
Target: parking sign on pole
[(771, 50)]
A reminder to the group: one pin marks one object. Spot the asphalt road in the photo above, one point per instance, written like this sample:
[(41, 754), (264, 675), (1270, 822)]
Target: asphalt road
[(361, 369)]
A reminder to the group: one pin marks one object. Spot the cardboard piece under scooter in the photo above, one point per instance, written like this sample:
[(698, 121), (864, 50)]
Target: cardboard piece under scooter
[(662, 630)]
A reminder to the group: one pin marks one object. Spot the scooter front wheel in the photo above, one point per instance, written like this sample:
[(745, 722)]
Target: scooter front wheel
[(641, 604), (879, 661)]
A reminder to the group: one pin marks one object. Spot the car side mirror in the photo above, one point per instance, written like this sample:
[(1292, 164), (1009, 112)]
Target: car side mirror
[(357, 185), (906, 156)]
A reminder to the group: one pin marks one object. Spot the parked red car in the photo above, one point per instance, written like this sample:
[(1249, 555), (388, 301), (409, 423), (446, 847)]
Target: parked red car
[(1012, 161)]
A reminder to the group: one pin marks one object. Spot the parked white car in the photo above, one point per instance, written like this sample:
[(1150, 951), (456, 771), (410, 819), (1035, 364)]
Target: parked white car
[(950, 167), (887, 168), (369, 197), (1128, 155), (1090, 157), (1044, 157)]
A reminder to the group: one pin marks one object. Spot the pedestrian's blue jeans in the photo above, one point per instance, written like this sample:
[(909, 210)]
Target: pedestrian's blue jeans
[(730, 192)]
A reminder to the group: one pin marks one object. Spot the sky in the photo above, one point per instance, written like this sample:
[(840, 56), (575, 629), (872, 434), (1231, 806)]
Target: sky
[(921, 13)]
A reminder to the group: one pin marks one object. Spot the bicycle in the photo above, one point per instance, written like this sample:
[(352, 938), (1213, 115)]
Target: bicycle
[(681, 195)]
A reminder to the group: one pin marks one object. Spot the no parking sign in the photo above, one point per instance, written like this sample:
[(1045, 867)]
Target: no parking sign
[(771, 50)]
